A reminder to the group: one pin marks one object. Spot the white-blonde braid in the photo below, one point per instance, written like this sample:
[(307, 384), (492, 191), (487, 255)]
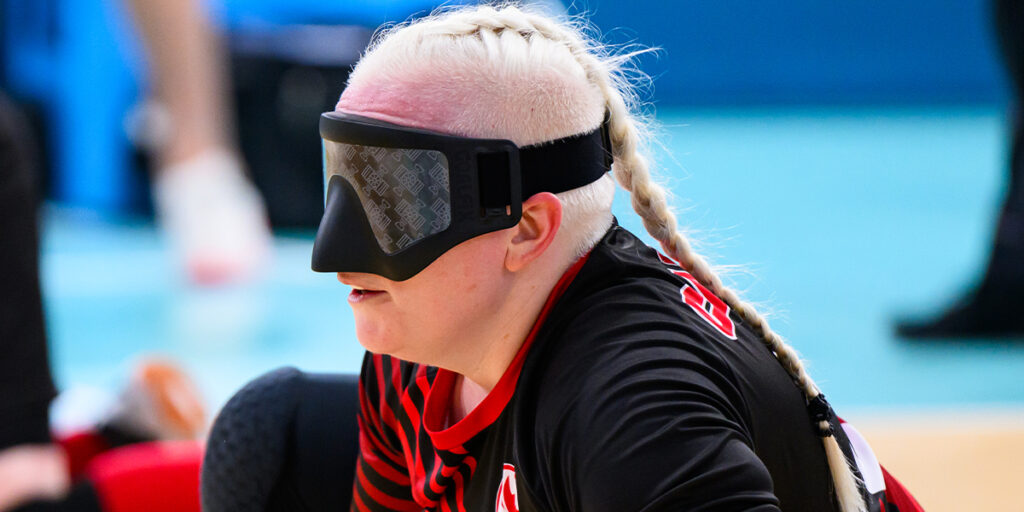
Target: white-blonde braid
[(607, 73), (648, 199)]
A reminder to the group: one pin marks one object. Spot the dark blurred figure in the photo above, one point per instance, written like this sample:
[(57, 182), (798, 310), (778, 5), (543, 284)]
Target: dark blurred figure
[(100, 469), (26, 386), (995, 309), (22, 333)]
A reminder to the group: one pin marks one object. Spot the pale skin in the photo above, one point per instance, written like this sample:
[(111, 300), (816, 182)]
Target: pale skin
[(188, 76), (29, 472), (471, 309)]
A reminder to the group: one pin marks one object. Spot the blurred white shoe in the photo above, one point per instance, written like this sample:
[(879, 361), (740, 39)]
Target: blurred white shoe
[(213, 216), (159, 403)]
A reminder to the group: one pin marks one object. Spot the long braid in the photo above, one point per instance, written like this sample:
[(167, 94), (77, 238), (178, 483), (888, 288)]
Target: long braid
[(648, 198), (649, 201)]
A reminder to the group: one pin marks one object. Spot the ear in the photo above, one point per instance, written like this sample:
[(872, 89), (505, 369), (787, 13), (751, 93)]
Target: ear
[(542, 216)]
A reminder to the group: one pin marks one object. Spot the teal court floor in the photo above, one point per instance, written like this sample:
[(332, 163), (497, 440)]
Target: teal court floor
[(837, 221)]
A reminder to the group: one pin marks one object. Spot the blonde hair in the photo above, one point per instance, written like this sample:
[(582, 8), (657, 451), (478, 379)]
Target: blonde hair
[(523, 41)]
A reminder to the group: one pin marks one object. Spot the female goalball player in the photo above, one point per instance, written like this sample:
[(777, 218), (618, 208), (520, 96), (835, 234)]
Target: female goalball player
[(526, 353)]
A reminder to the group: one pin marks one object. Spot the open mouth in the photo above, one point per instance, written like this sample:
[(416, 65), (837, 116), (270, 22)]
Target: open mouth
[(362, 294)]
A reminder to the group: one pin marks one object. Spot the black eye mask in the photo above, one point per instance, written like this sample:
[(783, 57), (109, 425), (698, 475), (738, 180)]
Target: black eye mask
[(397, 198)]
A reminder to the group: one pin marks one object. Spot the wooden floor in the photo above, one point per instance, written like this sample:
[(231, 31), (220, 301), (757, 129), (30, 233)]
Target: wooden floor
[(954, 462)]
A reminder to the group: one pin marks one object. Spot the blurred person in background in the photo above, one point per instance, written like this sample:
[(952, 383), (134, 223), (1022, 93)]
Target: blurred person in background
[(144, 453), (127, 460), (210, 209), (994, 307)]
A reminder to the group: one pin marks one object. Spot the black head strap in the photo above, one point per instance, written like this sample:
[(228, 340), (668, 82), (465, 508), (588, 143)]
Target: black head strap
[(566, 163), (555, 166)]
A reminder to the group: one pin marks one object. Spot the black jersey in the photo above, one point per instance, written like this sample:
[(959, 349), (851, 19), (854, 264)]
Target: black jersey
[(637, 389)]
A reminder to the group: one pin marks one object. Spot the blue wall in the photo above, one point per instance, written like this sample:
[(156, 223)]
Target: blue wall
[(818, 51), (77, 58), (756, 51)]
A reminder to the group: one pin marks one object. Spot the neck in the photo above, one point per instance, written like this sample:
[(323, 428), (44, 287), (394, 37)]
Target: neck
[(519, 312), (510, 326)]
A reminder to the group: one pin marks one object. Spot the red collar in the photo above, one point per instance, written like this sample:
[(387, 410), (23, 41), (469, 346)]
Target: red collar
[(435, 411)]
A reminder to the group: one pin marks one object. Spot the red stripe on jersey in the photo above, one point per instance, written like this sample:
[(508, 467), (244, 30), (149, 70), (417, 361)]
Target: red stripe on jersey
[(447, 471), (412, 412), (422, 383), (421, 375), (459, 485), (378, 445), (370, 456), (387, 416), (358, 502), (438, 470), (382, 498), (412, 457), (483, 415), (898, 495), (378, 366), (371, 414), (423, 481), (396, 377), (391, 422), (419, 477), (418, 481), (368, 411)]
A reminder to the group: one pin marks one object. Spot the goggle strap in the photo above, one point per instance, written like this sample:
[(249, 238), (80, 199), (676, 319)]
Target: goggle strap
[(565, 164), (556, 166)]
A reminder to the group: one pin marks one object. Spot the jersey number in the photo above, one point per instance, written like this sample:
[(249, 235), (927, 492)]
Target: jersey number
[(712, 309)]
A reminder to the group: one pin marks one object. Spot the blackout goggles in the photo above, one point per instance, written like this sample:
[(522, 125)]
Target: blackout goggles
[(397, 198)]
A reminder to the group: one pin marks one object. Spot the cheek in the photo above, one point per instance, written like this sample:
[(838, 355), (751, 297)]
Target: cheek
[(433, 312), (419, 323), (456, 302)]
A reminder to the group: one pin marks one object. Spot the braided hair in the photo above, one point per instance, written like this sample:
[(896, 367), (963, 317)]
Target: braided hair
[(498, 31)]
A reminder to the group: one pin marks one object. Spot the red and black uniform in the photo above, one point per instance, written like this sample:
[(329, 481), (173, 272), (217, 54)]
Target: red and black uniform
[(636, 389)]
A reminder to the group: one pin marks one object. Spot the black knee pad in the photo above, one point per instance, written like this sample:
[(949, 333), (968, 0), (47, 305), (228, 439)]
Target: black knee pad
[(286, 441), (246, 448)]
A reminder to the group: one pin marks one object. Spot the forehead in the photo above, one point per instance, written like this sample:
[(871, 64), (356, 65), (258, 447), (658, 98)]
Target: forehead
[(525, 107)]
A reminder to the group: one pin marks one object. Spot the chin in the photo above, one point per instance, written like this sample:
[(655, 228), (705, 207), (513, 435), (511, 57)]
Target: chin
[(372, 336), (378, 337)]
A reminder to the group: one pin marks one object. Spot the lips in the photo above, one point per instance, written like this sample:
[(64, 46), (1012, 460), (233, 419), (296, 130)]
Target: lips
[(361, 294)]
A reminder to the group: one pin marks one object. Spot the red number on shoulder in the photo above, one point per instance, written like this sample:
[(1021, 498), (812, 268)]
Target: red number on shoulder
[(708, 306)]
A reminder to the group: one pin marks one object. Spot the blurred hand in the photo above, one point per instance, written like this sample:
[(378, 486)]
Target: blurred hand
[(32, 472), (213, 216)]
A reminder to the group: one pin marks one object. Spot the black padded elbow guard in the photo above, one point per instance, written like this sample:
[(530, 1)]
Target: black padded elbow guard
[(286, 441)]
